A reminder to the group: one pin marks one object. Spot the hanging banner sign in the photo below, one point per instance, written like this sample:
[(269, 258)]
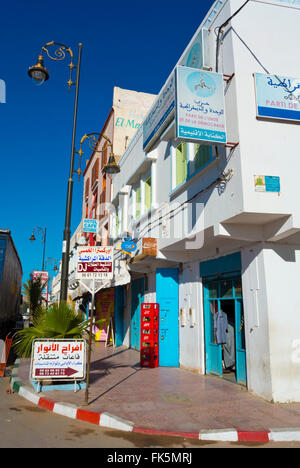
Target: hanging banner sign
[(44, 275), (90, 225), (160, 114), (58, 359), (277, 97), (200, 110), (94, 263)]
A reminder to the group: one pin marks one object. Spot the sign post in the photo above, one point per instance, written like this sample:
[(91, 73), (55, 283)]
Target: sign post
[(94, 264)]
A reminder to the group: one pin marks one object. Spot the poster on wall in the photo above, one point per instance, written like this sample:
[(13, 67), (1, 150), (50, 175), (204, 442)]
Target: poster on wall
[(200, 110), (104, 312), (277, 97)]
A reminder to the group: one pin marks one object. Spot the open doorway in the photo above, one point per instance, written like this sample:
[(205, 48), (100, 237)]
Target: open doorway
[(224, 329)]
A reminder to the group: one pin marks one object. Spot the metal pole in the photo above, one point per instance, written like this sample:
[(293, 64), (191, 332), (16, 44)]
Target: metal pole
[(86, 401), (44, 248), (67, 230)]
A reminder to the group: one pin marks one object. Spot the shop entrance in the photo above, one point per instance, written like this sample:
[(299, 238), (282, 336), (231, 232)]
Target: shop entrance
[(224, 328)]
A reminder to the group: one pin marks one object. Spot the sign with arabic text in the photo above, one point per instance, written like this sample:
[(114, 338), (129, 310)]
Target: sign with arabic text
[(94, 263), (200, 110), (58, 359), (90, 225), (277, 97)]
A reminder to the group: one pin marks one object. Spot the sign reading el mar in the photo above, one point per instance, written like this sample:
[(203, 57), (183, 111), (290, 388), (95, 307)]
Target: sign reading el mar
[(94, 263)]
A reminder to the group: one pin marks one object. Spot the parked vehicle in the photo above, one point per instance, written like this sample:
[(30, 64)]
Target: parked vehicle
[(10, 283)]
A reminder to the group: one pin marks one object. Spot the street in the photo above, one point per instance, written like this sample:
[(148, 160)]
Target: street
[(24, 425)]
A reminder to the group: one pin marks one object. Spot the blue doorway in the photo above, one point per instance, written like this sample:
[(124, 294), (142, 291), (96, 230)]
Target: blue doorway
[(137, 297), (227, 359), (119, 315), (167, 297)]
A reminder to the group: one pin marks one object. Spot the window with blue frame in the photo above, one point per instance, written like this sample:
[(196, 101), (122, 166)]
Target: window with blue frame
[(188, 159)]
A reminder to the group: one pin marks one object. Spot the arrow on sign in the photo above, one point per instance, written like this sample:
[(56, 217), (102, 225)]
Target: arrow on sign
[(68, 371)]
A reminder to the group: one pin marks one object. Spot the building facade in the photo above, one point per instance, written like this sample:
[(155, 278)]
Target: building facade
[(217, 222)]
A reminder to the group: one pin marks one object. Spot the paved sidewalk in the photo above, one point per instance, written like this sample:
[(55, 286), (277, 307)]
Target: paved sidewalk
[(166, 399)]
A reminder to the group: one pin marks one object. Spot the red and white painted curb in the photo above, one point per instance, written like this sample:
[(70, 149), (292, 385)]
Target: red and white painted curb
[(114, 422)]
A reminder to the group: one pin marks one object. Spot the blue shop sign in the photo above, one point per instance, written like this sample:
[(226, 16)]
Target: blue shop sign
[(277, 97), (128, 245)]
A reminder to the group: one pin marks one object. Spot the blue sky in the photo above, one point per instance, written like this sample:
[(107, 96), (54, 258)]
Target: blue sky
[(130, 44)]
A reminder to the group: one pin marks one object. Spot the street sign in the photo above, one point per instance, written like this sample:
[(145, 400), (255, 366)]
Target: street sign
[(90, 225), (58, 359), (94, 263)]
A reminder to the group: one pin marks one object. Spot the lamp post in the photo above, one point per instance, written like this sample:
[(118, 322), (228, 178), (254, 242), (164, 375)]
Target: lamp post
[(43, 233), (40, 74), (52, 261)]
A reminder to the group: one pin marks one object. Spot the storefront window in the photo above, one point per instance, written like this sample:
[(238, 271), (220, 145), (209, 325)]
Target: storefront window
[(212, 287), (238, 287), (226, 288)]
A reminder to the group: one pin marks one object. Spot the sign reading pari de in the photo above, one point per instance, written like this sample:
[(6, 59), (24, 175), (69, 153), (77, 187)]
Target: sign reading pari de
[(277, 97)]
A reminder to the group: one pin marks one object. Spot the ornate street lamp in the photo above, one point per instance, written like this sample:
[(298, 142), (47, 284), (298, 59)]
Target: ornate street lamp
[(43, 233), (51, 260), (111, 167), (40, 74)]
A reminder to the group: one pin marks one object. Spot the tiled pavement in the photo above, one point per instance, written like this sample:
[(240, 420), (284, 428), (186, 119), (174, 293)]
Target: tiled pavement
[(169, 399)]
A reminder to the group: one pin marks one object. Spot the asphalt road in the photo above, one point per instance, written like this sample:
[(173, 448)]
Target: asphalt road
[(25, 425)]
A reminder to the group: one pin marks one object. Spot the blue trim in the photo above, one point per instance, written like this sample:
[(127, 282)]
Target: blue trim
[(81, 385), (157, 127), (213, 136), (278, 113), (119, 315), (218, 266)]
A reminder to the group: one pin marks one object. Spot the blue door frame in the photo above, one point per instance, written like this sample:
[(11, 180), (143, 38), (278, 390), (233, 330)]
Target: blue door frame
[(215, 291), (119, 315), (167, 297), (137, 297)]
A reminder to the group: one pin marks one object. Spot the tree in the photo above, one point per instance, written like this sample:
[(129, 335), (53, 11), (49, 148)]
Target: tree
[(33, 290), (58, 321)]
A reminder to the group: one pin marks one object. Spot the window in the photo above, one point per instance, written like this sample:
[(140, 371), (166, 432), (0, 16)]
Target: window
[(95, 172), (187, 159), (202, 156), (148, 193), (138, 202), (181, 163)]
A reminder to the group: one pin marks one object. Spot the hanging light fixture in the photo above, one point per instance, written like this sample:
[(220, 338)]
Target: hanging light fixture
[(38, 72), (111, 167)]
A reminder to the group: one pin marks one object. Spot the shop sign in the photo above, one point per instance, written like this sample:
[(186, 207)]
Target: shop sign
[(94, 263), (128, 246), (277, 97), (58, 359), (149, 246), (160, 114), (266, 183), (200, 110), (90, 225)]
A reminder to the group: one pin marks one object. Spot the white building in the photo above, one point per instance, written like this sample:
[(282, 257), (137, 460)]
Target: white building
[(240, 251)]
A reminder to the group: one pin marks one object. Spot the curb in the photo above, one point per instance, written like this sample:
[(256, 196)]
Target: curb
[(110, 421)]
